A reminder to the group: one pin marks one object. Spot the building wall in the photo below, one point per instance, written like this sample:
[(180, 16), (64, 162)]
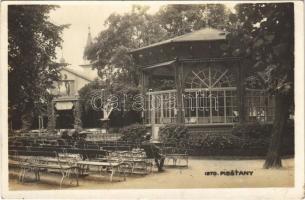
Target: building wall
[(76, 84)]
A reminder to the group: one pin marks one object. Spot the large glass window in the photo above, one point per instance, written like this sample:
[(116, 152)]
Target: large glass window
[(216, 106), (210, 96)]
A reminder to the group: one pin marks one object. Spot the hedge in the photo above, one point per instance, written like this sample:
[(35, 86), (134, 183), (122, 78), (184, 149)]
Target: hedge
[(135, 133), (243, 140), (174, 134)]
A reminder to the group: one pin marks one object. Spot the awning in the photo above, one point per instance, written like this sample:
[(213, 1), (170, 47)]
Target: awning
[(160, 65), (64, 105)]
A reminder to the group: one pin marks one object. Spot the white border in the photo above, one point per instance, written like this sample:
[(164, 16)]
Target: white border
[(295, 192)]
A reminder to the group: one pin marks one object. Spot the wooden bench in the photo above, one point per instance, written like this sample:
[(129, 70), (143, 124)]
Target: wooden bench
[(45, 162), (137, 160), (112, 167), (86, 153), (176, 155)]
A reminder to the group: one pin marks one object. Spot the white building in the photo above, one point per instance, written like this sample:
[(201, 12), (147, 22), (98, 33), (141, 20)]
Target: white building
[(65, 105)]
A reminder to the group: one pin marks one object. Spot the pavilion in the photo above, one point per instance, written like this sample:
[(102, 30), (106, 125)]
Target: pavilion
[(209, 91)]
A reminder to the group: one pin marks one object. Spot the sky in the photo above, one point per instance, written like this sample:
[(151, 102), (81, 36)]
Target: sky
[(80, 17)]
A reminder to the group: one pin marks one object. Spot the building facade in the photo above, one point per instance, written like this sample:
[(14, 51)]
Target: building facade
[(64, 109)]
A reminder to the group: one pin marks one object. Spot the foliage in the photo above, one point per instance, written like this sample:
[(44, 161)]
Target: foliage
[(125, 96), (228, 144), (174, 134), (162, 84), (109, 52), (135, 133), (32, 41), (252, 130), (218, 141), (249, 140), (124, 32), (264, 34), (179, 19), (87, 92)]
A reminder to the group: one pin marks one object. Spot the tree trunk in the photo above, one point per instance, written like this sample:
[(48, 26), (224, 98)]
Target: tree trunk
[(26, 121), (77, 116), (273, 159), (51, 117)]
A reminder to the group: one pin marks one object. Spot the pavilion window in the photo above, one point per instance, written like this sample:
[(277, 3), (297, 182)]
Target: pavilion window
[(160, 107), (259, 104), (210, 97)]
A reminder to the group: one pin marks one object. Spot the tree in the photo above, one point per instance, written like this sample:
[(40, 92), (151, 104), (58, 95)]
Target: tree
[(124, 98), (32, 41), (179, 19), (109, 53), (264, 34)]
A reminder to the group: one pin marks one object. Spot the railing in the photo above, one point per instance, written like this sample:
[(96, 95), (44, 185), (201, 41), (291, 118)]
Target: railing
[(208, 106)]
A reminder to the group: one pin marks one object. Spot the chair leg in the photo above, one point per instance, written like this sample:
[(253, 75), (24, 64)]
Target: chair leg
[(38, 175), (23, 175), (76, 174), (62, 179), (20, 173), (112, 173)]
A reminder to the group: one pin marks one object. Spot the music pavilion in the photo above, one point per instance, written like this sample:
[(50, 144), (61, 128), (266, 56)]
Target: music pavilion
[(210, 91)]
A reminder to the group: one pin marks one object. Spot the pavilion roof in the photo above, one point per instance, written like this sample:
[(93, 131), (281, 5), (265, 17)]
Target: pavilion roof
[(205, 34)]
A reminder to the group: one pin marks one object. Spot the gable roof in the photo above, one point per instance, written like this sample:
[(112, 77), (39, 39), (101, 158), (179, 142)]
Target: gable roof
[(88, 75), (205, 34)]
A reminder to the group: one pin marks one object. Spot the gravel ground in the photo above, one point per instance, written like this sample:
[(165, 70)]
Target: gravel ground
[(228, 175)]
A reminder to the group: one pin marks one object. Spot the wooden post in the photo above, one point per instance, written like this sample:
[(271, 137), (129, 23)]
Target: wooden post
[(180, 91), (51, 116), (241, 93), (144, 81), (145, 85)]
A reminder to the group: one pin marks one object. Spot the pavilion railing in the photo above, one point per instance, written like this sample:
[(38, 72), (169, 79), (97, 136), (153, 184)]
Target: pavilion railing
[(160, 107), (213, 106)]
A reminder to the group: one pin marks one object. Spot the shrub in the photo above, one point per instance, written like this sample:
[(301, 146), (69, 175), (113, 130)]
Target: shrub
[(217, 141), (174, 134), (244, 140), (253, 130), (135, 133)]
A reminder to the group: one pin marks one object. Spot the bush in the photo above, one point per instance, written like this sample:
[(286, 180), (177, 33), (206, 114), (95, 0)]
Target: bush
[(253, 130), (217, 141), (244, 140), (135, 133), (174, 134)]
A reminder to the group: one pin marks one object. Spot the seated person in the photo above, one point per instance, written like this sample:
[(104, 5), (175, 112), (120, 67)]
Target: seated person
[(154, 152)]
